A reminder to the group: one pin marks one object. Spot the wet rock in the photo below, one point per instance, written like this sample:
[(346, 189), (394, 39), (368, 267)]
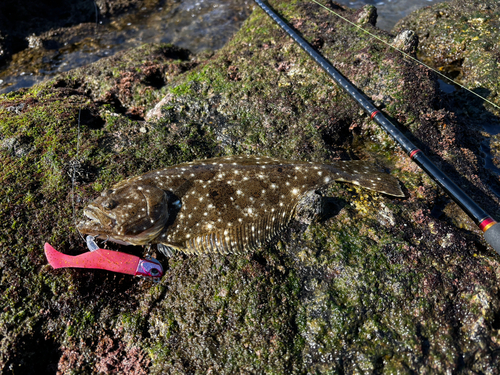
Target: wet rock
[(17, 109), (20, 21), (131, 89), (460, 38), (367, 15), (17, 147), (58, 38), (406, 41), (3, 47), (494, 146), (22, 24)]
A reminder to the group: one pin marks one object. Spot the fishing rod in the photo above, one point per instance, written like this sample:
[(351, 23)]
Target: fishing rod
[(490, 228)]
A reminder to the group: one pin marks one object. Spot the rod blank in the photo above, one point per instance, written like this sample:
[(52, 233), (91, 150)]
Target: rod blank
[(486, 223)]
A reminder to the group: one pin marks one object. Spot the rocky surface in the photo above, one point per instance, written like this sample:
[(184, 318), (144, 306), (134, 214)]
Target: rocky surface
[(377, 285), (461, 39)]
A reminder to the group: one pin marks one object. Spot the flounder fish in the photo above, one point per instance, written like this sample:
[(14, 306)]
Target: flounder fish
[(222, 205)]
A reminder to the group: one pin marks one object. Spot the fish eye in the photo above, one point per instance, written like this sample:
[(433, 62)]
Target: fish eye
[(154, 271), (109, 204), (107, 192)]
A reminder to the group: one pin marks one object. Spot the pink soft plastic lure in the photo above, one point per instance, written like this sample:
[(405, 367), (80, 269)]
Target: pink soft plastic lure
[(109, 260)]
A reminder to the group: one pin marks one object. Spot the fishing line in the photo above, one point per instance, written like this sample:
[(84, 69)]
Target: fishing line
[(73, 165), (406, 55), (96, 14), (490, 228), (78, 137)]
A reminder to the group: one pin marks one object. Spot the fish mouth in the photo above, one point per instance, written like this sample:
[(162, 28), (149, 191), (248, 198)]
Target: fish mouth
[(94, 220), (89, 215)]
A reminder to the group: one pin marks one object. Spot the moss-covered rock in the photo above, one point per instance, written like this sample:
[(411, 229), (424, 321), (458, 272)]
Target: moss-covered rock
[(377, 285), (461, 38)]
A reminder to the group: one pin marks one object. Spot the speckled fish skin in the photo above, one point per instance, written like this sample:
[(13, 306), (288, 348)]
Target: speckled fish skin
[(225, 205)]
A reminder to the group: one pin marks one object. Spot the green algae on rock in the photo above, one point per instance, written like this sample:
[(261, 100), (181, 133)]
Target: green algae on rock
[(461, 38)]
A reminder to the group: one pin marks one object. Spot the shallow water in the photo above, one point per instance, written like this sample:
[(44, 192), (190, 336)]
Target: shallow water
[(194, 24), (390, 11)]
